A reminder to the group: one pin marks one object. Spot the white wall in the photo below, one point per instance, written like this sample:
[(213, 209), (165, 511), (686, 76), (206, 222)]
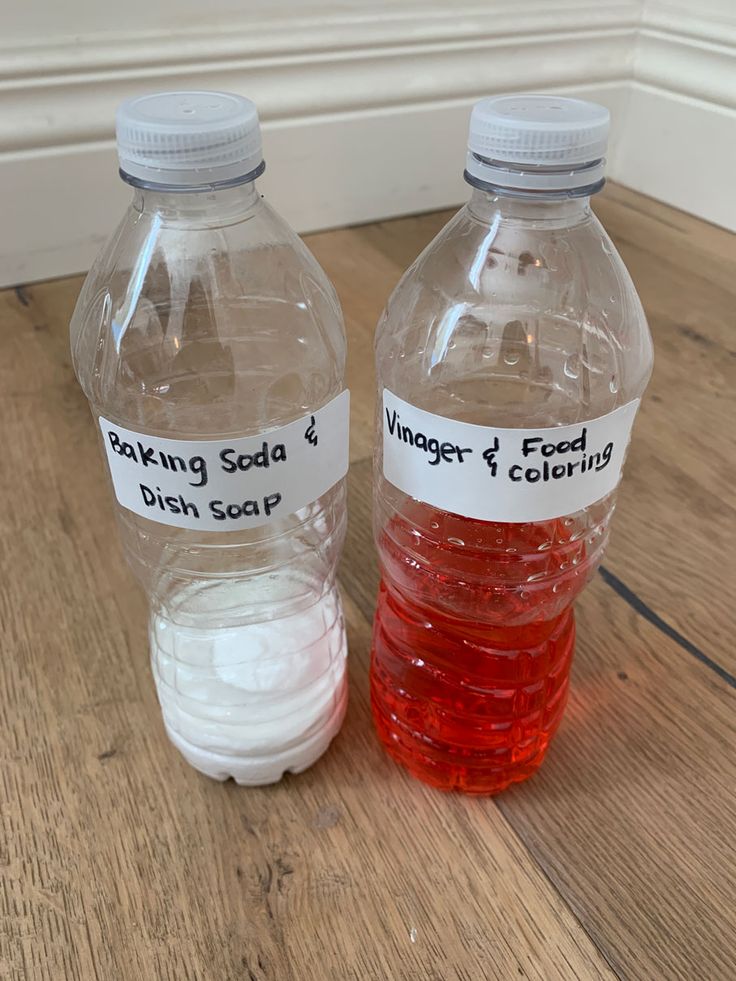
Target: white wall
[(365, 104), (33, 19), (679, 141)]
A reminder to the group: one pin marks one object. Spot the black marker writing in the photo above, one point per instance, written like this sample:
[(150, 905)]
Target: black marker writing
[(233, 461), (438, 452), (147, 456), (174, 505), (549, 449), (246, 509), (310, 435), (489, 456), (555, 471)]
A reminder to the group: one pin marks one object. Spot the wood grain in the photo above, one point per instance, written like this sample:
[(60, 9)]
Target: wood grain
[(118, 861), (677, 509), (633, 806)]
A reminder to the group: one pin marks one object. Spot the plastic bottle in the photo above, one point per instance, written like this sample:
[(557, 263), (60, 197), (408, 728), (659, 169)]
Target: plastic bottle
[(510, 362), (211, 348)]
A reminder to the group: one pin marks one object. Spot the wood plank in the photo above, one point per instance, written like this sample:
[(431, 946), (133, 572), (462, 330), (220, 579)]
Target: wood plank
[(673, 542), (120, 861), (674, 536), (669, 235), (616, 859), (403, 239), (631, 815), (124, 863)]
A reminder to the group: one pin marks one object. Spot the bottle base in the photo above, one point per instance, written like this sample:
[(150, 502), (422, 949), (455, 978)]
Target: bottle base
[(457, 710), (249, 698), (254, 770), (478, 782)]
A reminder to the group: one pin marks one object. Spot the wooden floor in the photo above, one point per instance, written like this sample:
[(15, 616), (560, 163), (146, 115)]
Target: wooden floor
[(117, 861)]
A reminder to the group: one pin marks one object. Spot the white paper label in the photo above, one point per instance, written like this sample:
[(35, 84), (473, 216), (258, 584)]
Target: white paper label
[(503, 474), (227, 484)]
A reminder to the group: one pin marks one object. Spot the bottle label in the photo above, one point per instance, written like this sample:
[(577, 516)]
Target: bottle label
[(503, 474), (228, 484)]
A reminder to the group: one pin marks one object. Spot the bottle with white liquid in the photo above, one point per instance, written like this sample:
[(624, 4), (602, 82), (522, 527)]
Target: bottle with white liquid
[(211, 348)]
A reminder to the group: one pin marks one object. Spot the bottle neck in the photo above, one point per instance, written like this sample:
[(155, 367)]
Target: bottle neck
[(545, 211), (208, 206)]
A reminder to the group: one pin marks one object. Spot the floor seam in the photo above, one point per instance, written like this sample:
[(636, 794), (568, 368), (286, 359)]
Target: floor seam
[(553, 885), (645, 611)]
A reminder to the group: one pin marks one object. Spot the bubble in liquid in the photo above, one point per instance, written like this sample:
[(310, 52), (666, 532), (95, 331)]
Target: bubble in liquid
[(557, 587), (563, 565), (499, 541), (434, 525), (613, 385), (567, 522), (524, 595), (543, 546), (510, 549), (456, 541), (576, 560), (511, 358), (572, 366)]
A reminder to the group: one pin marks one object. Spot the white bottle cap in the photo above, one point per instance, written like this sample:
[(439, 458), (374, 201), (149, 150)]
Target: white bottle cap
[(188, 138), (537, 143)]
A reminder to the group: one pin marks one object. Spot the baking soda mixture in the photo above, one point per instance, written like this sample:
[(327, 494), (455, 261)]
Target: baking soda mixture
[(255, 698)]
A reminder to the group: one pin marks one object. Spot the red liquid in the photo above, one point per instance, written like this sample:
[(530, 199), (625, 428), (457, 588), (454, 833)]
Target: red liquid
[(472, 644)]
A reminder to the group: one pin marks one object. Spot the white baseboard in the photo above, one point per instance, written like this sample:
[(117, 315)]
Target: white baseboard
[(365, 114), (329, 171), (682, 151), (679, 140)]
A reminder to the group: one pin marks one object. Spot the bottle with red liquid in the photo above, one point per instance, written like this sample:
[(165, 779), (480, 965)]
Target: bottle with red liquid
[(510, 361)]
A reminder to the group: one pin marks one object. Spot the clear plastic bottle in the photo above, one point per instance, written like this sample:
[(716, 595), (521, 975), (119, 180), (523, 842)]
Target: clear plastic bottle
[(510, 361), (211, 347)]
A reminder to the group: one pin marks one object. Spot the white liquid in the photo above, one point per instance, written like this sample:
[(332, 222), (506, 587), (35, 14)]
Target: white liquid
[(243, 695)]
